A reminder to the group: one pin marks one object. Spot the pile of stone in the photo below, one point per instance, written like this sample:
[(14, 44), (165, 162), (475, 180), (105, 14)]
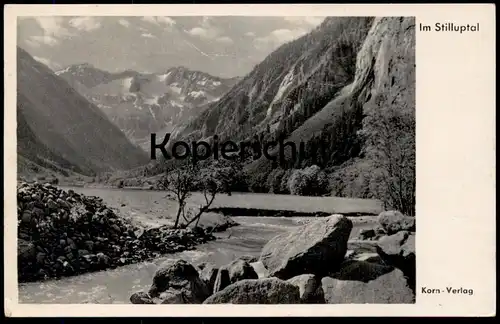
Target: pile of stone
[(309, 265), (62, 233)]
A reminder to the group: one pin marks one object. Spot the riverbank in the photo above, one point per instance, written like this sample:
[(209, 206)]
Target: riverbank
[(63, 233), (311, 264)]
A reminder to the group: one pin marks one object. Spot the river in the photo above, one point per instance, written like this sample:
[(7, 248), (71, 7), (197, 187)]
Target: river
[(116, 285)]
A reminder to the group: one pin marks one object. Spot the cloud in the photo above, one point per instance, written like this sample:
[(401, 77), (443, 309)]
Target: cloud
[(250, 34), (312, 21), (52, 29), (53, 65), (148, 35), (159, 20), (200, 32), (124, 22), (85, 23), (52, 26), (224, 40), (36, 41), (278, 37)]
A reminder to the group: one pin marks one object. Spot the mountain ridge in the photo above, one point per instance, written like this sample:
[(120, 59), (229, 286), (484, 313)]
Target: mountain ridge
[(59, 126), (144, 103)]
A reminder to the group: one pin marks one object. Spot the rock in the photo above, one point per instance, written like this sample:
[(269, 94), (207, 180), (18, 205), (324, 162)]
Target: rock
[(52, 205), (394, 221), (368, 257), (141, 298), (209, 274), (257, 291), (315, 248), (38, 212), (181, 276), (89, 245), (260, 269), (103, 259), (40, 257), (360, 271), (26, 251), (83, 234), (367, 234), (249, 258), (172, 297), (222, 280), (389, 288), (379, 230), (350, 254), (202, 265), (26, 218), (310, 289), (240, 270), (398, 250)]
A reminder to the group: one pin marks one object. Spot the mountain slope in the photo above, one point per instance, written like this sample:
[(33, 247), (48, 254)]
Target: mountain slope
[(140, 104), (59, 126), (289, 86), (347, 91)]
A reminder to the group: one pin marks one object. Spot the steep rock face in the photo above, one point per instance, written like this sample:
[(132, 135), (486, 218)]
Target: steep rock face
[(289, 86), (58, 126), (365, 134), (140, 104)]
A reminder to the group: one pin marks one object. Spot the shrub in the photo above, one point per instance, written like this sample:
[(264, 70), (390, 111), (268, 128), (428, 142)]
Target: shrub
[(274, 180), (311, 181)]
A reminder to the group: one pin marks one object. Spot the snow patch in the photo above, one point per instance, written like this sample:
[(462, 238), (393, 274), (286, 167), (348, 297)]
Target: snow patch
[(63, 71), (163, 77), (196, 94), (175, 104), (152, 101), (216, 83), (126, 83), (176, 89)]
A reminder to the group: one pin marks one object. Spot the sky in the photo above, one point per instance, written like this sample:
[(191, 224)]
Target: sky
[(224, 46)]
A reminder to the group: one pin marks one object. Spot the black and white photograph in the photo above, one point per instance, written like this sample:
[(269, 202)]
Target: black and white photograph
[(216, 159)]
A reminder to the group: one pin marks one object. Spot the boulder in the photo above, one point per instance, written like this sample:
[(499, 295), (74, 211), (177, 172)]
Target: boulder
[(314, 248), (372, 257), (360, 271), (257, 291), (249, 258), (141, 298), (310, 289), (393, 221), (26, 251), (367, 234), (239, 270), (209, 274), (179, 276), (260, 269), (398, 250), (222, 280), (389, 288)]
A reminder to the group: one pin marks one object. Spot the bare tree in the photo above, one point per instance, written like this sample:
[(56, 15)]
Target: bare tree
[(178, 182), (183, 181)]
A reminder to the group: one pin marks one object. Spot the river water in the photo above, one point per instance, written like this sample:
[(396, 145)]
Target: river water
[(116, 285)]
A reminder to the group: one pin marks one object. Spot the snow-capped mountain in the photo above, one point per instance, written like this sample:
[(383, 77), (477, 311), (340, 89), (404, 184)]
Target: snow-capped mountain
[(144, 103)]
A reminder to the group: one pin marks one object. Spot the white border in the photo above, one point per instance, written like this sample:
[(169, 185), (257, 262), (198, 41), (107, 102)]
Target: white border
[(455, 161)]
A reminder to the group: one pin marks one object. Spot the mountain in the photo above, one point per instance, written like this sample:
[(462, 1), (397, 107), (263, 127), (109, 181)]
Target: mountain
[(58, 129), (144, 103), (346, 91), (290, 85)]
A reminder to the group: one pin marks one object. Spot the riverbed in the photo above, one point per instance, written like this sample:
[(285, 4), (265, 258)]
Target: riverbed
[(116, 285)]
